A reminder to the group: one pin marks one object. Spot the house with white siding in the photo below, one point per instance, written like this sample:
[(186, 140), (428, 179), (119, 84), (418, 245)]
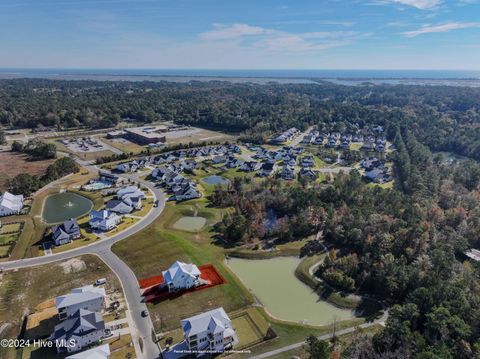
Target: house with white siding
[(82, 329), (181, 276), (100, 352), (211, 331), (89, 297), (10, 204), (104, 220)]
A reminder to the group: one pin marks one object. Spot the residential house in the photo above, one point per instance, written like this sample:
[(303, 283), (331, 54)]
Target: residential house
[(88, 297), (181, 276), (307, 161), (66, 232), (378, 175), (266, 169), (308, 174), (287, 173), (118, 206), (219, 159), (82, 329), (104, 220), (189, 165), (100, 352), (10, 204), (249, 166), (186, 192), (211, 331), (131, 195)]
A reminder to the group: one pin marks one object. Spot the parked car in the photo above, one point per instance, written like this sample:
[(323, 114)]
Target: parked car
[(144, 313)]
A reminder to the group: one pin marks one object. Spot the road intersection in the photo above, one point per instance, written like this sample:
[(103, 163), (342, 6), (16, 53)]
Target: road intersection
[(142, 335)]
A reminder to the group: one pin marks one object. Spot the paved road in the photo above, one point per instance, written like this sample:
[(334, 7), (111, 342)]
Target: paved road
[(102, 248)]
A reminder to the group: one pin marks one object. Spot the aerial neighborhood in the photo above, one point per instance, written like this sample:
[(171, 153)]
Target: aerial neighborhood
[(157, 230)]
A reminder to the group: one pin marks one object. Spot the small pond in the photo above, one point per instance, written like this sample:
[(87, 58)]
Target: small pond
[(215, 180), (189, 223), (274, 283), (62, 206)]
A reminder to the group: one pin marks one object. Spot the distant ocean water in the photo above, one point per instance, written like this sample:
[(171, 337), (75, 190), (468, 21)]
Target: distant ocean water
[(349, 77)]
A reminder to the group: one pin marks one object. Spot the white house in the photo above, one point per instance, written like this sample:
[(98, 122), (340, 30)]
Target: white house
[(88, 297), (100, 352), (130, 192), (181, 276), (104, 220), (10, 204), (209, 331), (82, 329)]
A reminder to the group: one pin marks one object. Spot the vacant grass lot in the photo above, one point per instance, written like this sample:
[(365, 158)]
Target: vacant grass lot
[(23, 290), (155, 248)]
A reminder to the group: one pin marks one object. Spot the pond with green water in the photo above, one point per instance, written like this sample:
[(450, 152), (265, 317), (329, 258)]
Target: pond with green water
[(190, 223), (62, 206), (274, 283)]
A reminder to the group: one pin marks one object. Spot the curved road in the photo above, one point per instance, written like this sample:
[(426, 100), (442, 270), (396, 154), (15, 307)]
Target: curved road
[(142, 333)]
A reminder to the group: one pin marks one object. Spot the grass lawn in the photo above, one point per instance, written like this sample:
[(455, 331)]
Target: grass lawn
[(9, 228), (286, 249), (250, 326), (126, 222), (7, 238), (21, 291), (4, 251), (121, 347), (123, 145), (155, 248)]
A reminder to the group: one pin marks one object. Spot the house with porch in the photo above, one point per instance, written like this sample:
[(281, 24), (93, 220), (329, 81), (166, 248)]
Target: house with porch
[(181, 276), (10, 204), (88, 297), (80, 330), (65, 232), (104, 220), (211, 331)]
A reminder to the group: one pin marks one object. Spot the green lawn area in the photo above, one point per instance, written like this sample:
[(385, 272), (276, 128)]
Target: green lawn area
[(4, 251), (12, 227), (7, 238), (155, 248), (250, 326)]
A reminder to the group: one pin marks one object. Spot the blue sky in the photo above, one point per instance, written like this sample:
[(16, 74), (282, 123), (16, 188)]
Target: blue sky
[(246, 34)]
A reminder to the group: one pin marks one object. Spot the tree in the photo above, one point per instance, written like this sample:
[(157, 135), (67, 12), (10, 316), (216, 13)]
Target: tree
[(318, 349), (3, 138)]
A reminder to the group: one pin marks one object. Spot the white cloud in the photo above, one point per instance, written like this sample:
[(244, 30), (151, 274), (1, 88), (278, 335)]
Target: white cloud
[(420, 4), (276, 40), (235, 31), (428, 29)]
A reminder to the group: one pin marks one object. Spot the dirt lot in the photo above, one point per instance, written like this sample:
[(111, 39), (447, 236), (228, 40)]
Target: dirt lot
[(12, 164), (22, 291)]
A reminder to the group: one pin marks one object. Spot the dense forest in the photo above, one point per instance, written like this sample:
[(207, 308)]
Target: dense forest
[(444, 118), (405, 246)]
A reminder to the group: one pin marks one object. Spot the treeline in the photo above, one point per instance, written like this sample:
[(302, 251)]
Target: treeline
[(36, 149), (404, 246), (26, 184), (445, 118)]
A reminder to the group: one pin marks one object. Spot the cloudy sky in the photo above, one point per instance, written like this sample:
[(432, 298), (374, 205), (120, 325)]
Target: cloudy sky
[(246, 34)]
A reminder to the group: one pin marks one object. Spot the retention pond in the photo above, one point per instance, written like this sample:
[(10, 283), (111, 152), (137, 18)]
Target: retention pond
[(274, 283), (62, 206)]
